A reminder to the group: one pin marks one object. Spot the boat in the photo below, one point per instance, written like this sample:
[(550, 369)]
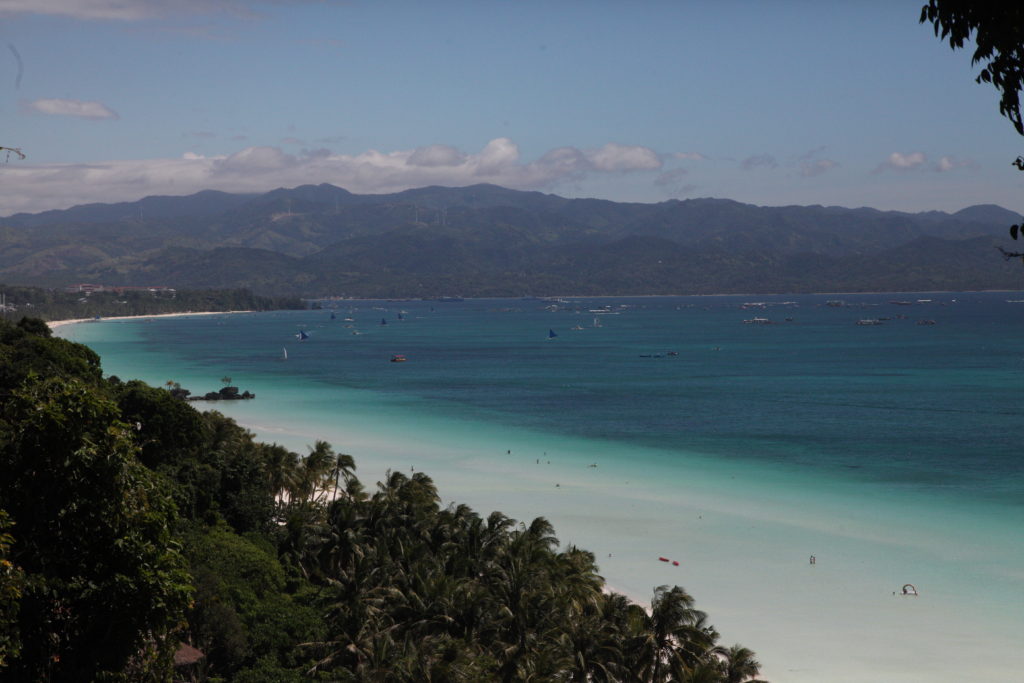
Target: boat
[(284, 354), (302, 335), (383, 321), (869, 321), (758, 321), (578, 327), (927, 321), (551, 334), (333, 317), (398, 358), (596, 323)]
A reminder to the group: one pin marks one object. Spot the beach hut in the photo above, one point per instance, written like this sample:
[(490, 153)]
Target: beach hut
[(188, 664)]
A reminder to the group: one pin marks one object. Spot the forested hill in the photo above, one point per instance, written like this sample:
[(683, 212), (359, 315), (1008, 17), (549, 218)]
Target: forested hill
[(141, 540), (486, 240)]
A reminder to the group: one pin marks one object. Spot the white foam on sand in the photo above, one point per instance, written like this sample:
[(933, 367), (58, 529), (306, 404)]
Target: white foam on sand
[(742, 534)]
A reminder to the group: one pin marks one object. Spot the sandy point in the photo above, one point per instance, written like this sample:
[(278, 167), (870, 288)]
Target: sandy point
[(54, 324)]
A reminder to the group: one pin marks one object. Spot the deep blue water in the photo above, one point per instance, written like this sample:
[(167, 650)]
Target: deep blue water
[(937, 408)]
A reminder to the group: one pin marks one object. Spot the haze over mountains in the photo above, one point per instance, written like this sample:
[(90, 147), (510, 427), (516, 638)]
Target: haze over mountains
[(486, 240)]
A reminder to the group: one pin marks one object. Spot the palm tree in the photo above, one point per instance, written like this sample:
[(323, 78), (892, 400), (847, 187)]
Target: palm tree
[(281, 467), (315, 473), (670, 628), (739, 666)]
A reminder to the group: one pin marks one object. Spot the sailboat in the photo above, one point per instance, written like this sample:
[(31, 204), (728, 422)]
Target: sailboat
[(333, 317), (302, 335), (551, 334), (284, 353), (383, 321)]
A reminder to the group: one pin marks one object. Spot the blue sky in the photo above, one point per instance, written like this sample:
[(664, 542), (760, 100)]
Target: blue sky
[(771, 103)]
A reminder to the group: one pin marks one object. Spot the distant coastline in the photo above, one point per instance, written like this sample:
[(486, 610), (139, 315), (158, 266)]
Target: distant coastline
[(55, 324)]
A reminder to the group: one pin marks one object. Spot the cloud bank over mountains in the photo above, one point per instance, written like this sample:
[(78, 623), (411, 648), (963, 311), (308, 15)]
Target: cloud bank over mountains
[(32, 188), (38, 187)]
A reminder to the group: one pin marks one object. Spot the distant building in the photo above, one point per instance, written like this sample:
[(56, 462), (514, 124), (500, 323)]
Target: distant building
[(120, 289)]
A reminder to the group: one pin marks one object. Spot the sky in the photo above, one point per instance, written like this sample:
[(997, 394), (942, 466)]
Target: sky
[(772, 103)]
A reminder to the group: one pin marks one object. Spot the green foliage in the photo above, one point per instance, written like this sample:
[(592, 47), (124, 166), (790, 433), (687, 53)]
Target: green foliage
[(12, 583), (55, 304), (24, 352), (105, 581), (246, 614), (168, 429)]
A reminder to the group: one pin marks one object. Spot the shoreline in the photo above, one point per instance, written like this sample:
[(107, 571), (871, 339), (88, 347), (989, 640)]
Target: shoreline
[(56, 324)]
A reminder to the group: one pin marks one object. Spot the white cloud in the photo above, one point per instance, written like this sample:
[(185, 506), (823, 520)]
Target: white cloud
[(919, 161), (616, 157), (498, 154), (117, 10), (34, 188), (811, 164), (435, 155), (136, 10), (76, 108), (906, 161), (948, 163)]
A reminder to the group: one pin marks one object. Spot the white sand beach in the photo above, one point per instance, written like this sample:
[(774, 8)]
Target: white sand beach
[(57, 324)]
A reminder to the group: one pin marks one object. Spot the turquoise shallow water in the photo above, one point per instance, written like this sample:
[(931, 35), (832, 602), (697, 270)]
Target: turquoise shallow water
[(934, 408), (892, 451)]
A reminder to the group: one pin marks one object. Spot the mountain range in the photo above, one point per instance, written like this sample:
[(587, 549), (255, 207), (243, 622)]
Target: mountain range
[(485, 240)]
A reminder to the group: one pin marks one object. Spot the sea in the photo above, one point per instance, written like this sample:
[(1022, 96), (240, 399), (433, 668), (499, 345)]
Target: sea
[(737, 436)]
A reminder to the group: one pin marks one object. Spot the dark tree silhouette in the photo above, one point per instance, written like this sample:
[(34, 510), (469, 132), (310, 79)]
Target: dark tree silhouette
[(997, 29)]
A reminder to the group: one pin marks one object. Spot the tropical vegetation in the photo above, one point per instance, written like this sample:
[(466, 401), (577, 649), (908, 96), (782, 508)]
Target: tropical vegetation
[(131, 524), (76, 303)]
